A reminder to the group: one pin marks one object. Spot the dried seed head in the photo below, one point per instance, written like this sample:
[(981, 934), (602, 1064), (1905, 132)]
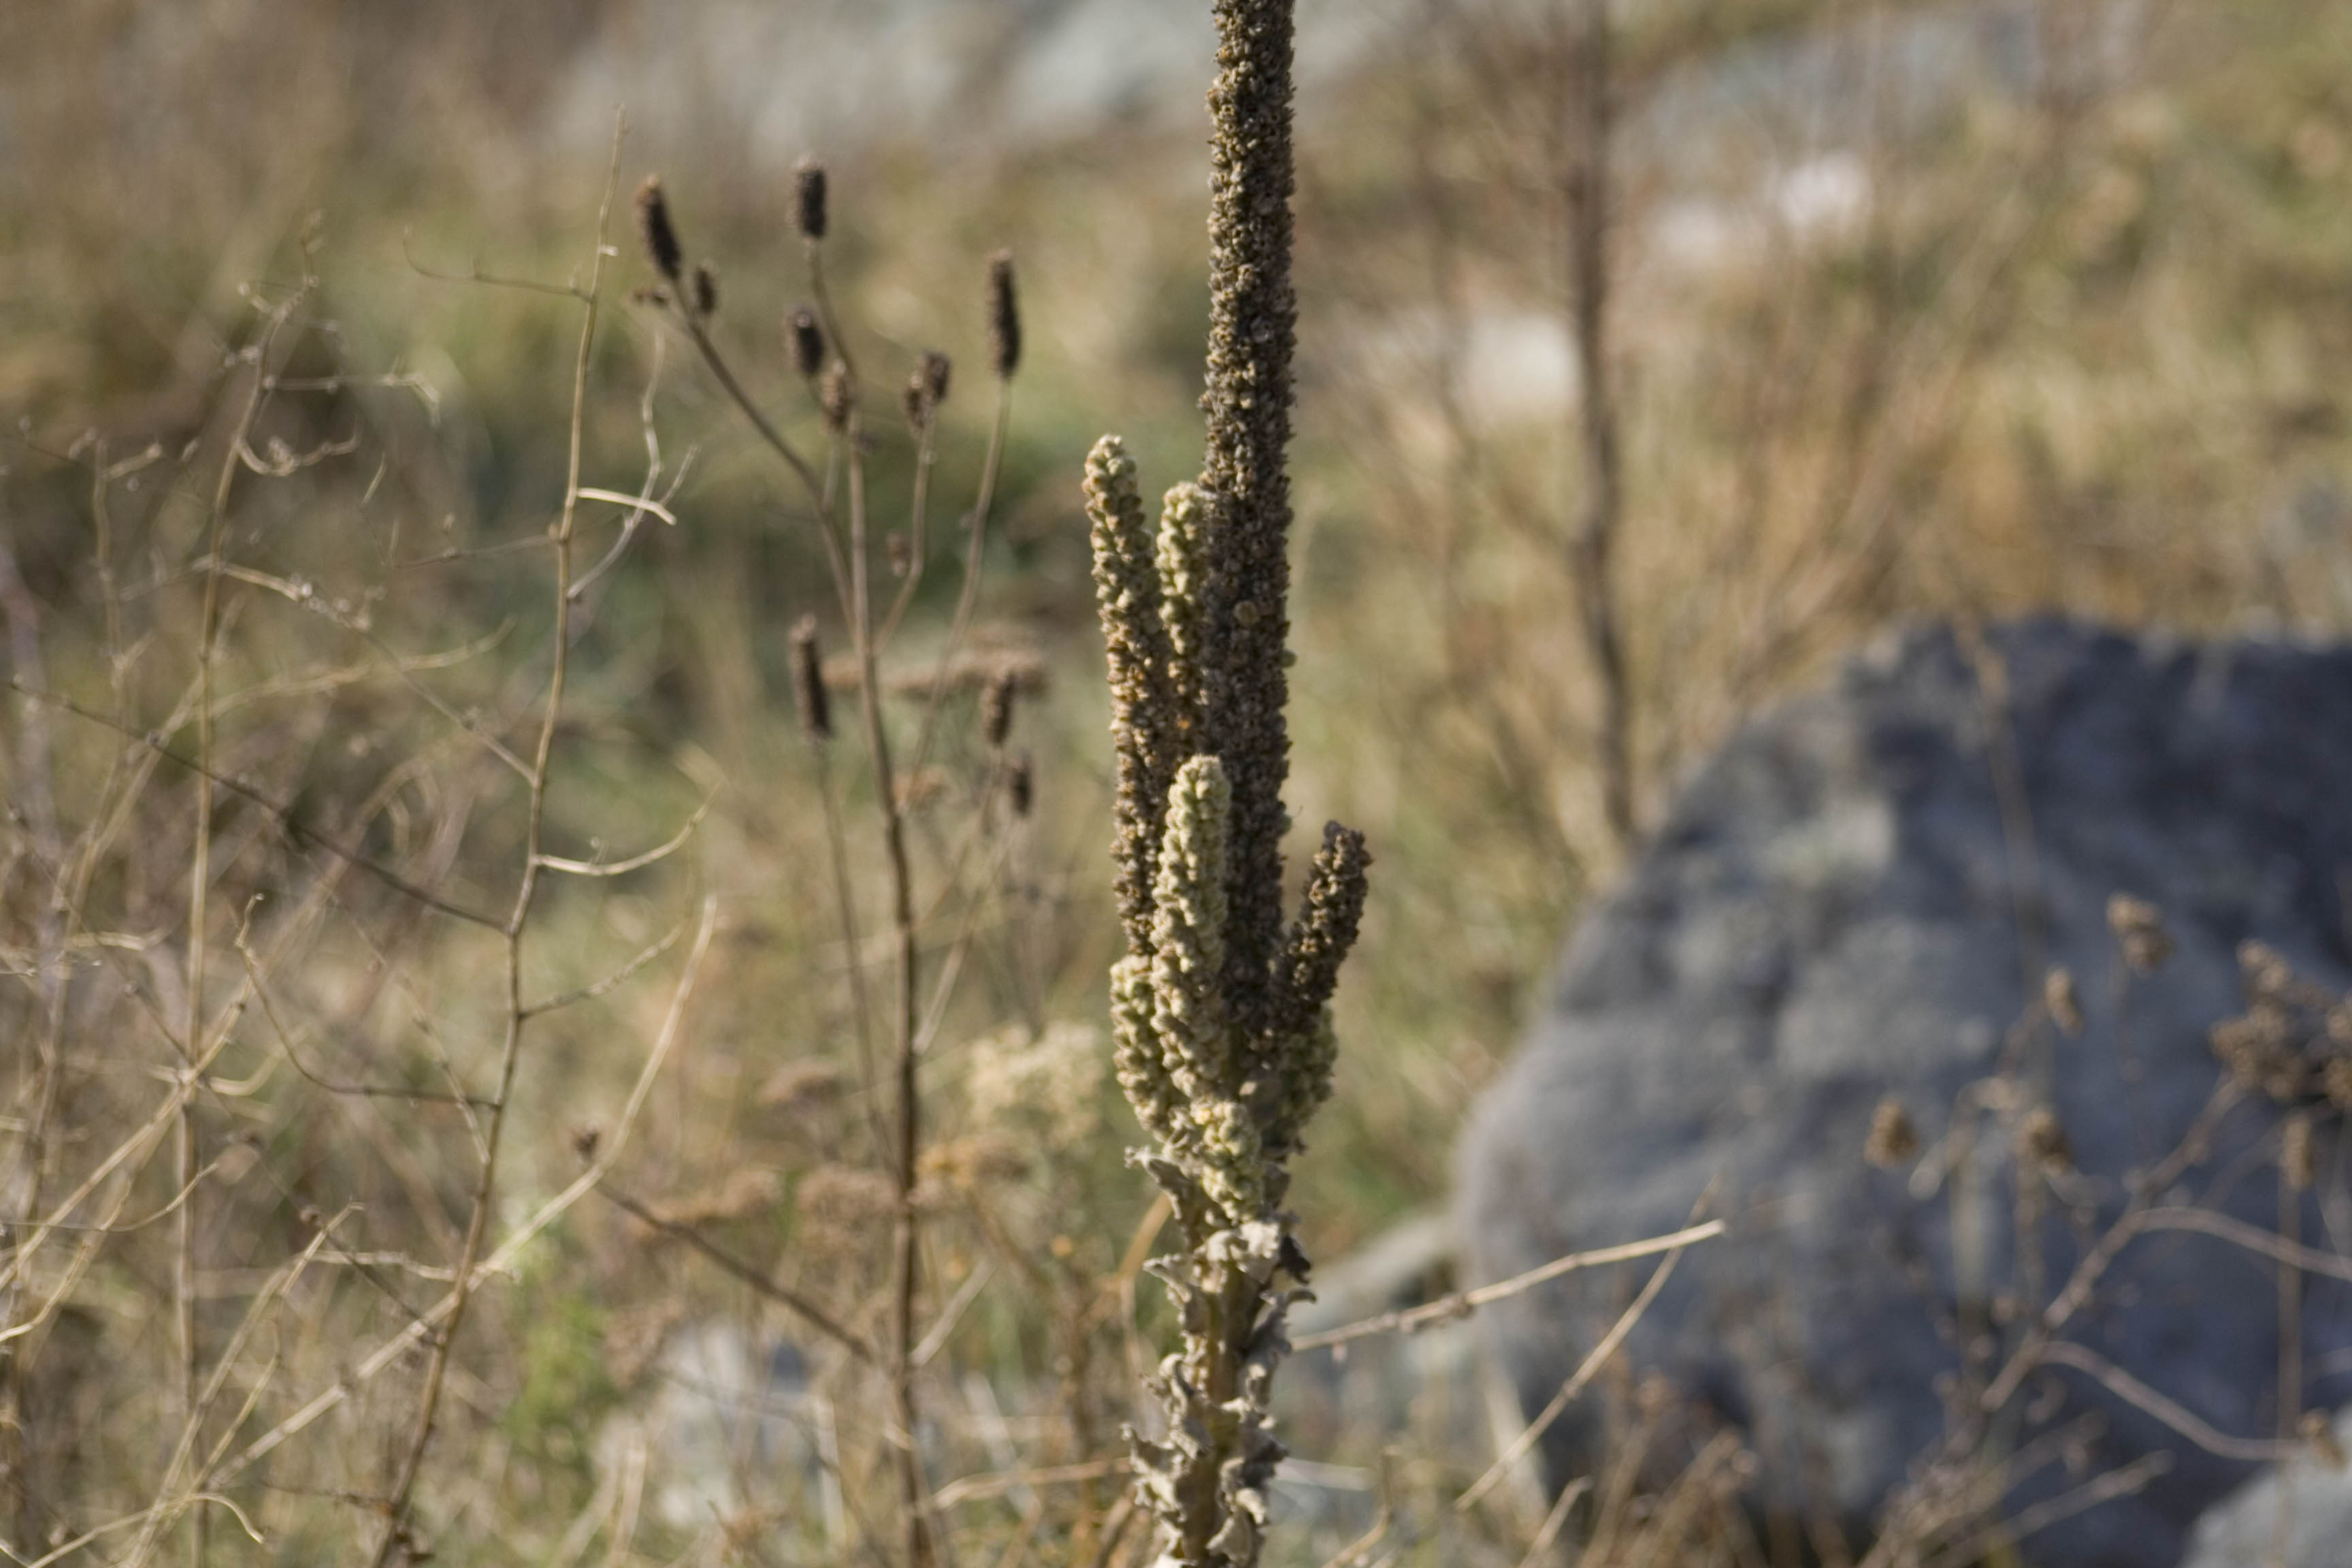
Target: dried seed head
[(1004, 317), (2261, 1051), (838, 395), (2298, 1159), (660, 237), (2042, 1142), (808, 681), (926, 388), (2320, 1433), (900, 552), (2138, 926), (996, 710), (1893, 1140), (2335, 1080), (2267, 974), (808, 199), (807, 340), (2059, 996), (706, 288), (1020, 784)]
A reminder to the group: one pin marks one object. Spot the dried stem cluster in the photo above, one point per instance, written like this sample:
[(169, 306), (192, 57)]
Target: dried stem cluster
[(839, 500)]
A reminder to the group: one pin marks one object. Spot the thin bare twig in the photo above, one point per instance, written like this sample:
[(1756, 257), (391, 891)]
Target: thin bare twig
[(783, 1295), (396, 1537), (1461, 1303), (1533, 1432)]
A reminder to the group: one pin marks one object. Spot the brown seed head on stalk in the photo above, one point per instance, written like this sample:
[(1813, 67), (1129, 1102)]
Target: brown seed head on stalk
[(1004, 317), (807, 340), (706, 289), (838, 395), (926, 388), (808, 681), (1020, 784), (809, 199), (660, 237), (996, 709)]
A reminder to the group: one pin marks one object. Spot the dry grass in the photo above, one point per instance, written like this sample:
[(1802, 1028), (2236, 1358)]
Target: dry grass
[(2075, 349)]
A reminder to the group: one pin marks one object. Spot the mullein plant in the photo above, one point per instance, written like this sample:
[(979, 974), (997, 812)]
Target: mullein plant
[(1220, 1014)]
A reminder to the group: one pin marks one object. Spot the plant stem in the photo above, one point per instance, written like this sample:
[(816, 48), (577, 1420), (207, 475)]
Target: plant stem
[(396, 1536), (1585, 185)]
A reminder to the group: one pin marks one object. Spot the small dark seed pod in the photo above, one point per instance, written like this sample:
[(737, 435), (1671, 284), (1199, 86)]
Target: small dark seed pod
[(808, 681), (1004, 317), (706, 288), (996, 709), (837, 397), (808, 199), (1020, 785), (660, 237), (926, 388), (807, 340)]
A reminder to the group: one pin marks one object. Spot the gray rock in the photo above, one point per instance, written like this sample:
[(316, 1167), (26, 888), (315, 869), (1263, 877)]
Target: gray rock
[(1836, 911), (2313, 1532)]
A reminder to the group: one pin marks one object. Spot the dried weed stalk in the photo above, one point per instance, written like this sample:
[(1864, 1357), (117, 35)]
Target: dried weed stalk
[(1221, 1016)]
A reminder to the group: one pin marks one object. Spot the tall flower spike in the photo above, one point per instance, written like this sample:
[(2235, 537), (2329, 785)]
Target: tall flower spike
[(1144, 715), (1253, 332), (1224, 1026)]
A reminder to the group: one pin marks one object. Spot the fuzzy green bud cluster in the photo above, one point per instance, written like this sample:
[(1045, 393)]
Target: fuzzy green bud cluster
[(1222, 1075)]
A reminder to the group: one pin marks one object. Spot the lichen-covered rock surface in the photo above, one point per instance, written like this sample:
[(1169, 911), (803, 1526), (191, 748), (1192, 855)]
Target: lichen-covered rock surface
[(1849, 903)]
